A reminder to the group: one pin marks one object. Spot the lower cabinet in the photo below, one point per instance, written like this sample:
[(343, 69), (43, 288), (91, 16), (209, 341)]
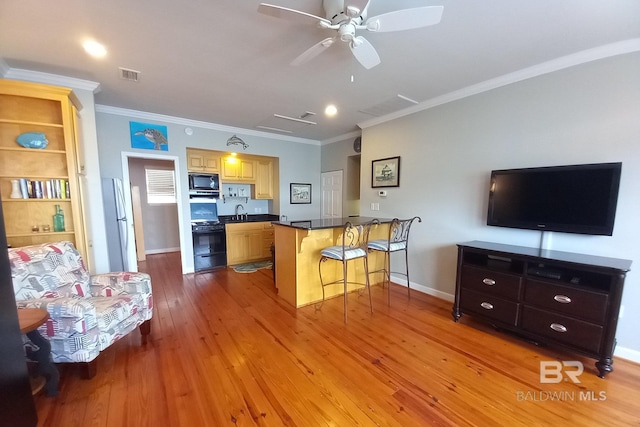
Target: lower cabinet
[(554, 298), (248, 242)]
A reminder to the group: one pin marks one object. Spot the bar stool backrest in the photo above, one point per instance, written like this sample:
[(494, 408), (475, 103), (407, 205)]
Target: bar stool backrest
[(399, 229), (357, 236)]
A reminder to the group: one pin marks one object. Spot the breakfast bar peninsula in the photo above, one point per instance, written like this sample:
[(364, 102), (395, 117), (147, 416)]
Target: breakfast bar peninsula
[(297, 255)]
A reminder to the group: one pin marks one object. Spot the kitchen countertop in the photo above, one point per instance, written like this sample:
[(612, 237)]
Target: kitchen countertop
[(319, 224)]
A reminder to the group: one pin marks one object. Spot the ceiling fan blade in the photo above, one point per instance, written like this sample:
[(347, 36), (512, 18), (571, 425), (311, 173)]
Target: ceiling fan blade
[(290, 14), (364, 52), (405, 19), (313, 51), (357, 4)]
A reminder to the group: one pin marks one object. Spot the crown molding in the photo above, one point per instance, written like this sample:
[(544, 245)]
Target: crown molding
[(52, 79), (578, 58), (196, 123), (344, 137)]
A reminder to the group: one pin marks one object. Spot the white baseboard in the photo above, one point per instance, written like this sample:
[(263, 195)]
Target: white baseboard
[(424, 289), (161, 251), (621, 352), (627, 353)]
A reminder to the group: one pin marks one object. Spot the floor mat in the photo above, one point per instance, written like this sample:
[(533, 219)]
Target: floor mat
[(251, 267)]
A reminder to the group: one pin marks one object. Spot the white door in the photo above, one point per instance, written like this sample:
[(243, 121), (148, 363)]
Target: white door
[(332, 194)]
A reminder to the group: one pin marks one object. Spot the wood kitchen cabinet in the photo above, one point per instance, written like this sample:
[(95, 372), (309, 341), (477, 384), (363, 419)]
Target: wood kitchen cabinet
[(202, 161), (236, 169), (248, 242), (36, 108), (264, 179)]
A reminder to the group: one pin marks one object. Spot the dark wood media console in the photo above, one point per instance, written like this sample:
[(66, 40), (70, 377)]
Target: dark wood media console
[(555, 298)]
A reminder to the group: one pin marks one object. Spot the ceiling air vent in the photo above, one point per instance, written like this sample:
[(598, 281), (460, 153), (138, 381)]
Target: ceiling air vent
[(128, 74)]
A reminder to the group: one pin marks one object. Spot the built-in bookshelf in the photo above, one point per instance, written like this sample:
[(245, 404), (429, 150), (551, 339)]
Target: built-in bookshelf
[(47, 177)]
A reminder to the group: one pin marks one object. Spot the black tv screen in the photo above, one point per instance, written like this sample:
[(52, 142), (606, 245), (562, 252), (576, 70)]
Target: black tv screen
[(571, 199)]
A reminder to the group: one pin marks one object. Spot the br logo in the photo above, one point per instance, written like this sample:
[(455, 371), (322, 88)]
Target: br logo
[(553, 372)]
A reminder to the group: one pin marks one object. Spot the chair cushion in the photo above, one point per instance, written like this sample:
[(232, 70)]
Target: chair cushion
[(50, 270), (383, 245), (335, 252), (113, 310)]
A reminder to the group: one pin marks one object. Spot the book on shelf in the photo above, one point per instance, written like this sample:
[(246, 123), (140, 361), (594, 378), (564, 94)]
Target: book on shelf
[(36, 189), (23, 188), (46, 189)]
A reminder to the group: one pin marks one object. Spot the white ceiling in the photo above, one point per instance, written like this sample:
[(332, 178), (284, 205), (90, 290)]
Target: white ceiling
[(223, 62)]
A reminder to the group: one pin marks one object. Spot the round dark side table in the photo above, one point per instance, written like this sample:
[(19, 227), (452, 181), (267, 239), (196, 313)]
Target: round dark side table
[(30, 319)]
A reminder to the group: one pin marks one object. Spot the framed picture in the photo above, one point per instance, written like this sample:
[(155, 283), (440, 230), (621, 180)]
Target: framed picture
[(300, 193), (385, 172), (148, 136)]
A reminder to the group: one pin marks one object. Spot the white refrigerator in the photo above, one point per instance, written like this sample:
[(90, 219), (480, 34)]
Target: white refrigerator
[(116, 223)]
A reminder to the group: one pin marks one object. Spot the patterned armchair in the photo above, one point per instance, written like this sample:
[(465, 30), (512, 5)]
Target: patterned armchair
[(87, 313)]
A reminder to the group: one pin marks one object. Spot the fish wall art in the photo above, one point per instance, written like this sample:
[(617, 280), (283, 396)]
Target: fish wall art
[(148, 136)]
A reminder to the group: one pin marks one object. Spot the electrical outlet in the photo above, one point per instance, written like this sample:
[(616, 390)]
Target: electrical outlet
[(373, 206)]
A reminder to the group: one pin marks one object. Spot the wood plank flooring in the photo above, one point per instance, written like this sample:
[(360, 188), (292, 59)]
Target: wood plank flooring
[(224, 350)]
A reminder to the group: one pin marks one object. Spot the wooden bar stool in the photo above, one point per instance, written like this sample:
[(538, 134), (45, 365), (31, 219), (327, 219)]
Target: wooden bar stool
[(398, 240), (355, 239)]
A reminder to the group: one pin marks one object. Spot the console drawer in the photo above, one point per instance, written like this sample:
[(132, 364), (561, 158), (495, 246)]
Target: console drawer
[(563, 329), (491, 282), (575, 302), (490, 306)]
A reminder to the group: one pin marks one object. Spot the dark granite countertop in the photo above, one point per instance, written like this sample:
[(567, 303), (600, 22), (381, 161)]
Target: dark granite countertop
[(318, 224)]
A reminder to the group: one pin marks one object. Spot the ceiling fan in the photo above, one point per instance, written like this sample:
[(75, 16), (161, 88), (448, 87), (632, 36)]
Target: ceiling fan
[(348, 16)]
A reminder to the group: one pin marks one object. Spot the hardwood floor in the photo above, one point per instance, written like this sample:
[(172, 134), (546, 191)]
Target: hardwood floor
[(224, 350)]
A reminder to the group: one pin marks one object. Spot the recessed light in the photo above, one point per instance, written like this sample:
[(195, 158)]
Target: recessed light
[(94, 49), (331, 110)]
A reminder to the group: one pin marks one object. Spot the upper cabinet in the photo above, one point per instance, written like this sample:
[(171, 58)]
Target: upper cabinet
[(236, 169), (39, 165), (259, 171), (202, 161), (264, 179)]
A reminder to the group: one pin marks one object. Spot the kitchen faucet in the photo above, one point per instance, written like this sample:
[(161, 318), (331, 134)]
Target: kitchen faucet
[(239, 207)]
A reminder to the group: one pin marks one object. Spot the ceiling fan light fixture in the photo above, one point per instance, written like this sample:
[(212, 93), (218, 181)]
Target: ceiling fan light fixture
[(347, 32), (347, 19)]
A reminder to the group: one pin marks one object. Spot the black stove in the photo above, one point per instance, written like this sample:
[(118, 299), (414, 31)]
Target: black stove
[(206, 226)]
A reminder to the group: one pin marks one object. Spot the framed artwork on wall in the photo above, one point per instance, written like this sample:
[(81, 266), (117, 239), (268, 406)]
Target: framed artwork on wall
[(148, 136), (300, 193), (385, 172)]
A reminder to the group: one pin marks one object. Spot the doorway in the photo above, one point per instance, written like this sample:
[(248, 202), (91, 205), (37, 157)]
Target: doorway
[(331, 194), (155, 221)]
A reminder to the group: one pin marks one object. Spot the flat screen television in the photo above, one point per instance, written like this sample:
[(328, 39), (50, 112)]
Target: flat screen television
[(570, 199)]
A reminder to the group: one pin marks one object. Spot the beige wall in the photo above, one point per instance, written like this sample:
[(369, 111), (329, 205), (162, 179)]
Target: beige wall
[(584, 114)]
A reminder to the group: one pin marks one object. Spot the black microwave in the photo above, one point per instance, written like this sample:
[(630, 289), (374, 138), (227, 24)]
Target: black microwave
[(204, 184)]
